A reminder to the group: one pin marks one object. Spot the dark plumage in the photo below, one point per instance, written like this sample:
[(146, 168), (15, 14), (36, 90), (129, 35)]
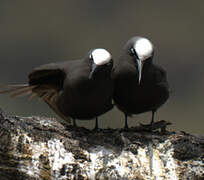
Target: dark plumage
[(140, 85), (80, 89)]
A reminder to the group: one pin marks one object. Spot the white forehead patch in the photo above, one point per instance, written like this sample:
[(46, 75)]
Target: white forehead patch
[(101, 56), (144, 48)]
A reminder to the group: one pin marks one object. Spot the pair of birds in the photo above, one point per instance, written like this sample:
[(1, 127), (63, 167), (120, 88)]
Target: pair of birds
[(84, 89)]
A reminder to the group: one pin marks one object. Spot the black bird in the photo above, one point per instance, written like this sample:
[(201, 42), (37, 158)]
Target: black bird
[(140, 85), (80, 89)]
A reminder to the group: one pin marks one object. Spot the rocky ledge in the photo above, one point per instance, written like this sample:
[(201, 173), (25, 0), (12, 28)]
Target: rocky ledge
[(43, 148)]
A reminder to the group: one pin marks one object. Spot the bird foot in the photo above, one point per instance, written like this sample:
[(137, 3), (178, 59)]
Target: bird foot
[(98, 129), (156, 125), (125, 129)]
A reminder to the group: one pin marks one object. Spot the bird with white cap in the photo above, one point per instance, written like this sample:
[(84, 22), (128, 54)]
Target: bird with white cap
[(140, 85)]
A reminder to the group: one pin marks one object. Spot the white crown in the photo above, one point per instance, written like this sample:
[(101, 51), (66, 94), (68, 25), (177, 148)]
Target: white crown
[(101, 56), (144, 48)]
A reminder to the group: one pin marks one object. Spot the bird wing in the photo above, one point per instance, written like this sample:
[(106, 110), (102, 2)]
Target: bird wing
[(49, 96), (161, 76), (50, 80), (45, 82)]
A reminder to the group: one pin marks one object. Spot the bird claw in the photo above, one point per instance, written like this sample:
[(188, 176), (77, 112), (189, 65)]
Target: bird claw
[(156, 125), (98, 129)]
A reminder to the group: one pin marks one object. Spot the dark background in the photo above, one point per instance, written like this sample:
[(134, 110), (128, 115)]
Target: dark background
[(36, 32)]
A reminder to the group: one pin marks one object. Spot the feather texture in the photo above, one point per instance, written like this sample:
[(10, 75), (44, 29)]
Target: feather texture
[(47, 93)]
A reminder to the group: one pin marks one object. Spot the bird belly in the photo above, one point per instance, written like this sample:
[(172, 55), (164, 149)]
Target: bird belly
[(142, 99), (88, 108), (86, 105)]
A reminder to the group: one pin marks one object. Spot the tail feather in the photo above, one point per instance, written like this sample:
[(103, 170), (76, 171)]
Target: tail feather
[(23, 91), (47, 93), (9, 88), (33, 95), (53, 97), (13, 85), (17, 90)]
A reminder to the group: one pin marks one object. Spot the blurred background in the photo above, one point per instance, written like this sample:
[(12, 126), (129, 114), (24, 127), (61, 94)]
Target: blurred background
[(37, 32)]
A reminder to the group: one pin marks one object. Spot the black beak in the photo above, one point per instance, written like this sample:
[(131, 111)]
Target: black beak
[(139, 65), (93, 70)]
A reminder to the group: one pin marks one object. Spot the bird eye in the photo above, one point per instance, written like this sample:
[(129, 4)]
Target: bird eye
[(91, 57), (132, 52)]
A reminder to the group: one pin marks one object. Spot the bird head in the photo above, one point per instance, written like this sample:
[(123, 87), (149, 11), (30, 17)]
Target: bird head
[(99, 58), (141, 49)]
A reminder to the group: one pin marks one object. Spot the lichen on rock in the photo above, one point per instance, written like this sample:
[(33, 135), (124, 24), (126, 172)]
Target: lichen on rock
[(43, 148)]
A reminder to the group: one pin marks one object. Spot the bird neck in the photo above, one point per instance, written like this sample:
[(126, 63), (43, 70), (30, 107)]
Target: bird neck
[(148, 62)]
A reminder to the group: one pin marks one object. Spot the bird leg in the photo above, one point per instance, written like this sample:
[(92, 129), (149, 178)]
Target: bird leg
[(152, 121), (151, 144), (74, 122), (96, 125), (126, 121)]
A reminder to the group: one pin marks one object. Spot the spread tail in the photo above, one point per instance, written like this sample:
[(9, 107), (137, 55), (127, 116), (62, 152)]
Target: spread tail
[(44, 92), (15, 90)]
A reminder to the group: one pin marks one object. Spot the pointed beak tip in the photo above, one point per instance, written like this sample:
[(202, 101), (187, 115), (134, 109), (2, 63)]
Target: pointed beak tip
[(90, 75), (93, 69)]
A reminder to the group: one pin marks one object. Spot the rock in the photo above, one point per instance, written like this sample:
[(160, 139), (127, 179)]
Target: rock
[(42, 148)]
